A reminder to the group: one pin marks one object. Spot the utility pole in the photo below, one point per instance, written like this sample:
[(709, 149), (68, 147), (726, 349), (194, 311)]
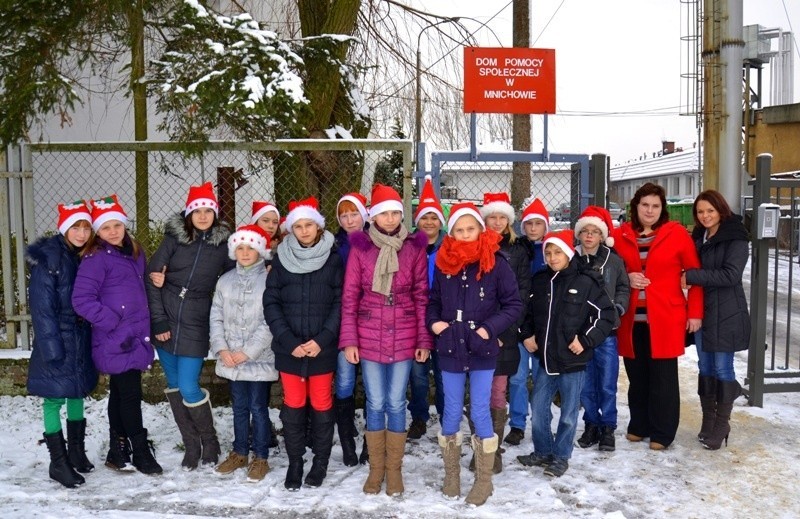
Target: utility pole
[(521, 123)]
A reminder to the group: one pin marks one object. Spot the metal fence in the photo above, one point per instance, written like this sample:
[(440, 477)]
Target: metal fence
[(152, 180)]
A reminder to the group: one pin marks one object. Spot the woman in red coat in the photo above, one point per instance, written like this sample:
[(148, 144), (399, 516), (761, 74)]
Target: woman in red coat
[(652, 333)]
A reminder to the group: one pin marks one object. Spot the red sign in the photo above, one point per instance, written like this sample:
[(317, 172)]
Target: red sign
[(509, 80)]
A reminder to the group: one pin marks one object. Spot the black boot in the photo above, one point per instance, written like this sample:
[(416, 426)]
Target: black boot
[(144, 454), (707, 391), (322, 439), (294, 437), (76, 434), (727, 392), (273, 436), (363, 458), (200, 413), (61, 469), (607, 441), (345, 422), (189, 434), (119, 452), (590, 436)]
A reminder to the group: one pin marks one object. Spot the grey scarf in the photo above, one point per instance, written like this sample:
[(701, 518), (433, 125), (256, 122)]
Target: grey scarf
[(301, 260), (387, 263)]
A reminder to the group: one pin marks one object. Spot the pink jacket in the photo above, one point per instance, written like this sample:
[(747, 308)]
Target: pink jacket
[(384, 329)]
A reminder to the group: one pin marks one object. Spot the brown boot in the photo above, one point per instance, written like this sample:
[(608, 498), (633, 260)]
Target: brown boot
[(376, 443), (451, 454), (395, 450), (484, 461), (707, 391), (499, 417), (727, 392)]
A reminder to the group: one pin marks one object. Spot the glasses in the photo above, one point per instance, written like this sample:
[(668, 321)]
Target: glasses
[(587, 232)]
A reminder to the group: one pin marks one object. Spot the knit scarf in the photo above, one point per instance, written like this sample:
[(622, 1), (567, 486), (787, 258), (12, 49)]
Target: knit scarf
[(387, 263), (454, 255), (302, 260)]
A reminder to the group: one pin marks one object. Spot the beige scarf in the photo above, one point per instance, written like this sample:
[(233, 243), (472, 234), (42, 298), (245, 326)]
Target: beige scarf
[(387, 263)]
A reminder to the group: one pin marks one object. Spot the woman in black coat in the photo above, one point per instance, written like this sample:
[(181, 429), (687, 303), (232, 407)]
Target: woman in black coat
[(723, 245), (183, 274), (61, 368), (302, 306)]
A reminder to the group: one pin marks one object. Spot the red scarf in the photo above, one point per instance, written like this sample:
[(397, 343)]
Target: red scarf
[(454, 255)]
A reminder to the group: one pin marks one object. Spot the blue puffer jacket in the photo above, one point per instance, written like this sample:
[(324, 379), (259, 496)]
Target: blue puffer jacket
[(61, 361)]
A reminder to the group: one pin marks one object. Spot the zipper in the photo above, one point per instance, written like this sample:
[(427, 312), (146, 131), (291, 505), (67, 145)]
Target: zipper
[(185, 289), (549, 320)]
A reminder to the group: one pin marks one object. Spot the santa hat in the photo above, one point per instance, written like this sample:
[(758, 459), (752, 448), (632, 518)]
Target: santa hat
[(497, 203), (463, 209), (106, 209), (600, 218), (358, 200), (384, 198), (70, 214), (565, 240), (282, 224), (201, 196), (260, 208), (306, 208), (428, 203), (536, 209), (252, 235)]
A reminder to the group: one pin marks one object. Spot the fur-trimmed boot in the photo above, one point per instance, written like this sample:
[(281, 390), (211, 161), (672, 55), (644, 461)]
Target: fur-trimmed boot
[(203, 420), (451, 454), (76, 446), (499, 418), (727, 392), (484, 462), (61, 469), (192, 448), (707, 391), (376, 442), (395, 450)]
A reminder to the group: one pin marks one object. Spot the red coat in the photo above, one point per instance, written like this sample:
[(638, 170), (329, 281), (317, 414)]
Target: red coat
[(668, 310)]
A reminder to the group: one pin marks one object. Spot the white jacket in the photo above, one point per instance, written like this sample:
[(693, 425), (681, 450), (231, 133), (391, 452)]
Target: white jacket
[(237, 324)]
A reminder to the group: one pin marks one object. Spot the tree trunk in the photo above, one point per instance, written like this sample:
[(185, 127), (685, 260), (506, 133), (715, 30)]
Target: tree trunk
[(521, 138), (139, 91)]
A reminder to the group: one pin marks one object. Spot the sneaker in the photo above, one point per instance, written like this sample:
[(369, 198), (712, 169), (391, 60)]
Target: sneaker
[(556, 468), (535, 460), (514, 436), (233, 462), (590, 436), (607, 442), (417, 429), (257, 470)]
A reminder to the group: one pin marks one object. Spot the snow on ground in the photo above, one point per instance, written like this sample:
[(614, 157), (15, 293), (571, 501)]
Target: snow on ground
[(755, 476)]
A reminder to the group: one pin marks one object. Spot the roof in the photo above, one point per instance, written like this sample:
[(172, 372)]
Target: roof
[(672, 164)]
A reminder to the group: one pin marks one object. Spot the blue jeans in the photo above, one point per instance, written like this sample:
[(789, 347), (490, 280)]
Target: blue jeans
[(519, 399), (569, 386), (250, 398), (599, 394), (420, 388), (184, 373), (480, 390), (386, 385), (345, 379), (718, 364)]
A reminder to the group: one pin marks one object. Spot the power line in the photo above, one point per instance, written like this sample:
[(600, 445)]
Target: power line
[(548, 22)]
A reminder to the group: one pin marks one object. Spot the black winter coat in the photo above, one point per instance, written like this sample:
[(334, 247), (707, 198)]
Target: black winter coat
[(565, 304), (182, 306), (302, 307), (520, 261), (61, 361), (726, 320)]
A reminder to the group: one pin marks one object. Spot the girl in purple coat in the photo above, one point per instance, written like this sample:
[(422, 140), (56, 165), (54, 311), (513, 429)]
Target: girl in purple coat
[(474, 299), (109, 293), (383, 327)]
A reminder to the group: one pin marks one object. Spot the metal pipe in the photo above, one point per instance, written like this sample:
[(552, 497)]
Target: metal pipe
[(730, 141)]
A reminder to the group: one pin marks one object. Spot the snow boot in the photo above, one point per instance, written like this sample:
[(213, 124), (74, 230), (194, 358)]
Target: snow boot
[(119, 452), (61, 469), (377, 460), (727, 392), (590, 436), (395, 450), (76, 446), (294, 437), (707, 391), (144, 454), (189, 434), (203, 419), (345, 423), (363, 458), (451, 454), (322, 423), (484, 462), (499, 418)]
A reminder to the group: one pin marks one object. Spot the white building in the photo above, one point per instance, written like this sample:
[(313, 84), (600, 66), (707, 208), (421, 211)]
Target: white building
[(678, 172)]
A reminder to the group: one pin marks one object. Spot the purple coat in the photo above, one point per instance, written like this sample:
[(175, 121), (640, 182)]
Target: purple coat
[(492, 303), (385, 330), (109, 293)]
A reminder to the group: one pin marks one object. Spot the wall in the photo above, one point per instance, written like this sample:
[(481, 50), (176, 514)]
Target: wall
[(776, 131)]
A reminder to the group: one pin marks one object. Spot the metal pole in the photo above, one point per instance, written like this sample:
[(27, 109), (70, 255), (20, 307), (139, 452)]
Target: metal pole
[(730, 139)]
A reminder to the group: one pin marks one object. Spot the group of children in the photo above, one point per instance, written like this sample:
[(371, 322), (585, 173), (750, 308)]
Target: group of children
[(495, 308)]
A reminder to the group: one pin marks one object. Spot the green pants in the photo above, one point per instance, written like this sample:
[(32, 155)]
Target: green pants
[(52, 412)]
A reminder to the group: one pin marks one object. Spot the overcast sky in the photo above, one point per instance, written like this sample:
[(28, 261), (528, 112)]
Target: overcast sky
[(619, 67)]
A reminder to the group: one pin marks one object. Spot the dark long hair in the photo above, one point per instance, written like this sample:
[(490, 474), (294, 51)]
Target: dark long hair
[(717, 201), (647, 190)]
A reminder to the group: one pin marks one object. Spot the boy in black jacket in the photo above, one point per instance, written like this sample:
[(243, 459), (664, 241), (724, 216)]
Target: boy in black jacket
[(569, 314)]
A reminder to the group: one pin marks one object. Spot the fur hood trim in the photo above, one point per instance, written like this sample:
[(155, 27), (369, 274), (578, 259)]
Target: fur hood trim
[(44, 249), (174, 227), (361, 240)]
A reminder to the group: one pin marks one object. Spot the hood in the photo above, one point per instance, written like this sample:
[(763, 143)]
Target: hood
[(46, 247), (219, 233)]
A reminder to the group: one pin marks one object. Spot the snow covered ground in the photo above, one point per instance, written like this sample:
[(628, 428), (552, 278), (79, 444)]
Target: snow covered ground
[(755, 476)]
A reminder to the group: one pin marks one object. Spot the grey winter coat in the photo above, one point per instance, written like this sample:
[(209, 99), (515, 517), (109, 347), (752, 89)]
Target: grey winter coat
[(726, 319), (237, 324), (615, 277), (183, 304)]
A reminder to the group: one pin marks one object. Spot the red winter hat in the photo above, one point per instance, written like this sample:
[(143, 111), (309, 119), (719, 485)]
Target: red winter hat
[(306, 208), (260, 208), (70, 214), (536, 209), (497, 203), (358, 200), (201, 196), (565, 239), (384, 198), (252, 235), (106, 209), (463, 209), (600, 218), (428, 203)]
